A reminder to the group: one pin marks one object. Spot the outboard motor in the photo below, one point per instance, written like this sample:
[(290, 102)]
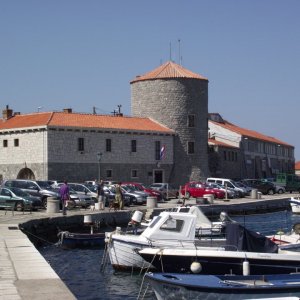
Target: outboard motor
[(224, 218)]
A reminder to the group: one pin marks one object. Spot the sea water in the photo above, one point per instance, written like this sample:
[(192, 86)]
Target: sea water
[(80, 269)]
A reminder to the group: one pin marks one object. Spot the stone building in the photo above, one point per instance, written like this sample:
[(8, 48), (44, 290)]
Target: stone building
[(245, 153), (60, 145)]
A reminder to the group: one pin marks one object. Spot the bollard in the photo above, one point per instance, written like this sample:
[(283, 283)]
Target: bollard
[(209, 197), (151, 202), (52, 205), (254, 194)]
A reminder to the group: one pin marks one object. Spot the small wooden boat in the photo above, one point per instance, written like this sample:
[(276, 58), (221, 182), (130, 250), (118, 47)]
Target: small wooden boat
[(170, 286), (69, 240)]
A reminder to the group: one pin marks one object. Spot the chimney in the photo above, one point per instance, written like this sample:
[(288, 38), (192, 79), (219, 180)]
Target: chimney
[(7, 113), (67, 110), (17, 113)]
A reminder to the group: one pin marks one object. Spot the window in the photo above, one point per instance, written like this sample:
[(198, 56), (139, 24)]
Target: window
[(16, 142), (174, 225), (191, 120), (191, 147), (133, 145), (5, 143), (80, 144), (134, 173), (108, 145), (109, 173), (157, 150)]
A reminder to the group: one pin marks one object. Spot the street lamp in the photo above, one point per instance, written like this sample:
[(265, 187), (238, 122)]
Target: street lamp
[(99, 156)]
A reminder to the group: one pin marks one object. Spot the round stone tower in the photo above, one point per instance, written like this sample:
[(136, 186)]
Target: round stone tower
[(178, 99)]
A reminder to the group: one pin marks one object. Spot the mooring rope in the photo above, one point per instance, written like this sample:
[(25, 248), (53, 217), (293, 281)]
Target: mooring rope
[(37, 237)]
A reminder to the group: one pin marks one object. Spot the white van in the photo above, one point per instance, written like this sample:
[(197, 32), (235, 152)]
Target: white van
[(229, 183)]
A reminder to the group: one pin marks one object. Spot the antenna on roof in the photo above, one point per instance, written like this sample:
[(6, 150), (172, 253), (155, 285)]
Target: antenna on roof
[(119, 114), (179, 50), (114, 112), (94, 110)]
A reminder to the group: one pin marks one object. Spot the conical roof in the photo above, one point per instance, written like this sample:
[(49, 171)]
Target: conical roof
[(168, 70)]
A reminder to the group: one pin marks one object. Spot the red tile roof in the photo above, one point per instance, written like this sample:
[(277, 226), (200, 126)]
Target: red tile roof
[(249, 133), (83, 120), (168, 70), (297, 165), (218, 143)]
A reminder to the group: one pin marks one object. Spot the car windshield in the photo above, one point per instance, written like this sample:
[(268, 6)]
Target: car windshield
[(44, 185), (19, 192), (92, 188)]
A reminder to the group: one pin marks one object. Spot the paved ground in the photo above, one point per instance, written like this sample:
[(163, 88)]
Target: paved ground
[(25, 274)]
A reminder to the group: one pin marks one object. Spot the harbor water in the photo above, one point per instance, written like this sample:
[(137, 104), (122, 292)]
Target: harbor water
[(80, 269)]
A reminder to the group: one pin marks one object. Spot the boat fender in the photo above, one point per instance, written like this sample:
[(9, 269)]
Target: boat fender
[(246, 268), (196, 267)]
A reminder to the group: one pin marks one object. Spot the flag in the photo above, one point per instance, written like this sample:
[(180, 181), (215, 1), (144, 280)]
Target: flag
[(162, 152)]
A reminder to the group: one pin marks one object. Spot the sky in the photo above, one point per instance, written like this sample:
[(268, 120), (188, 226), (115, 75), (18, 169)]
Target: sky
[(57, 54)]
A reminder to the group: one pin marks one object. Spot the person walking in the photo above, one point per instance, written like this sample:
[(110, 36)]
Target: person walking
[(101, 195), (119, 195), (64, 193)]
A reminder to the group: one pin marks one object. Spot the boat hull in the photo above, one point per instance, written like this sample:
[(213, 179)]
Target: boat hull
[(70, 240), (177, 286), (123, 250), (222, 262)]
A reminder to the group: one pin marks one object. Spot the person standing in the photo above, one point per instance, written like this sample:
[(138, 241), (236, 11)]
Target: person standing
[(101, 195), (64, 193), (119, 195)]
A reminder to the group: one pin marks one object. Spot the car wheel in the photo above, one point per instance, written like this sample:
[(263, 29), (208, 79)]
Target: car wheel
[(280, 191), (187, 195), (270, 192), (19, 206)]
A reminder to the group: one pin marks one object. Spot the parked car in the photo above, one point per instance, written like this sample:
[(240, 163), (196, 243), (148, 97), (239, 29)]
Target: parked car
[(35, 188), (231, 193), (80, 200), (246, 187), (138, 197), (229, 183), (265, 187), (195, 189), (141, 187), (18, 200), (278, 188), (167, 190), (110, 192), (88, 190)]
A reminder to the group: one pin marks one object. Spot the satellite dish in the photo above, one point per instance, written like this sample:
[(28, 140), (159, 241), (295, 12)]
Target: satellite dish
[(296, 228)]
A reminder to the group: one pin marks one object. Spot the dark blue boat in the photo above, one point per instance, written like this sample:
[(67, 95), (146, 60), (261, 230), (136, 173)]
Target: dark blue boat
[(69, 240), (170, 286)]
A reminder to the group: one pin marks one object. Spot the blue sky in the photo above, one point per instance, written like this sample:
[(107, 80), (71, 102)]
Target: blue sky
[(79, 54)]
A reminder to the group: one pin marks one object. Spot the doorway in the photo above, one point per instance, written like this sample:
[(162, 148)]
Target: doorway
[(158, 176)]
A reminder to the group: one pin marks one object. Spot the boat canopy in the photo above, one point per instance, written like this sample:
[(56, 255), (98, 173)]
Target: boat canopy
[(238, 238)]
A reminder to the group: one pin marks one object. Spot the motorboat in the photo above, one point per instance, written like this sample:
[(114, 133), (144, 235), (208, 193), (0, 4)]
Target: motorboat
[(295, 205), (70, 240), (169, 286), (171, 229), (290, 238), (243, 251)]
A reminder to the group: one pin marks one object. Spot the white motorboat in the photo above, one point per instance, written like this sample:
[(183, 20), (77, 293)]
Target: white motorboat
[(168, 229), (295, 205)]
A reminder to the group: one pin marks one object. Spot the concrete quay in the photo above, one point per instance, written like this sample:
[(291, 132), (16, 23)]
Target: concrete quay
[(25, 274)]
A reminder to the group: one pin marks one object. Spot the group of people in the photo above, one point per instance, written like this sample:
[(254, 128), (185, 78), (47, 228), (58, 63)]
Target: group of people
[(64, 193)]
